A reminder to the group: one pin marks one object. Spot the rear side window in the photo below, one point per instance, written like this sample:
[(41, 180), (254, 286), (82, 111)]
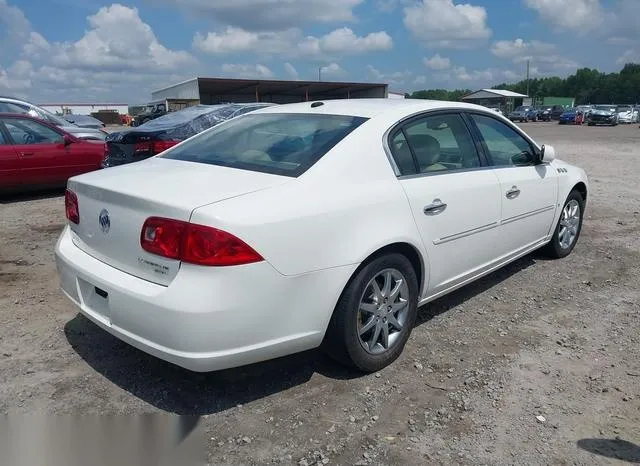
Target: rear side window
[(31, 132), (282, 144), (435, 143)]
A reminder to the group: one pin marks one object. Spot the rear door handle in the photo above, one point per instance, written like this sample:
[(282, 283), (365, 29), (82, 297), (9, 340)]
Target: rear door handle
[(513, 192), (27, 154), (435, 208)]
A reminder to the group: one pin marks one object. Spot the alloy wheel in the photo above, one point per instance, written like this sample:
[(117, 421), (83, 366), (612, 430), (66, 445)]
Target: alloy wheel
[(383, 311), (569, 224)]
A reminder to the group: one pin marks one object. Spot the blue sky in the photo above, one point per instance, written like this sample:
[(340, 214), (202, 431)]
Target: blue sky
[(91, 50)]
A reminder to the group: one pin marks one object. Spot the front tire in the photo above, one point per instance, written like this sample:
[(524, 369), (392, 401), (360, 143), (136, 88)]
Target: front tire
[(568, 228), (375, 314)]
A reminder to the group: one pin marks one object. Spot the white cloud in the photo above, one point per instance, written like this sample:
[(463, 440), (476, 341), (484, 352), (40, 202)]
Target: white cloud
[(577, 15), (543, 59), (292, 43), (231, 40), (629, 56), (437, 62), (395, 78), (616, 22), (119, 40), (13, 21), (441, 23), (291, 71), (333, 69), (247, 71), (263, 15), (344, 40), (519, 50), (118, 55), (461, 74)]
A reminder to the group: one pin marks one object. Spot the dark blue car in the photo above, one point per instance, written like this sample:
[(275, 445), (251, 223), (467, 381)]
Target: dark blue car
[(568, 117)]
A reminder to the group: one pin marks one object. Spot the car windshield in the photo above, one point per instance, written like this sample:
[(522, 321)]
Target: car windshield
[(53, 118), (277, 143), (82, 119), (606, 108), (624, 108), (521, 109)]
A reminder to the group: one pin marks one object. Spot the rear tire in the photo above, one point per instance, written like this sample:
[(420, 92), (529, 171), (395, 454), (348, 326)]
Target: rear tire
[(369, 315), (568, 229)]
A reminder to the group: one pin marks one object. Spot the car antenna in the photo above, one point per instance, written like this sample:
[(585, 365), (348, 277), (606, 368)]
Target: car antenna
[(317, 104)]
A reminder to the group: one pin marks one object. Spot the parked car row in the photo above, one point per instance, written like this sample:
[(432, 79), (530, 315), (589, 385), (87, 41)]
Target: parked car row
[(526, 113), (589, 114), (41, 150)]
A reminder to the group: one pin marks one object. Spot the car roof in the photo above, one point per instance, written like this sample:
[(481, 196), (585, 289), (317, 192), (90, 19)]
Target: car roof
[(369, 107), (13, 99), (17, 115)]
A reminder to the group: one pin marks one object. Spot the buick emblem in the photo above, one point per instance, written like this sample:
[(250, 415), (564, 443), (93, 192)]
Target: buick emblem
[(104, 220)]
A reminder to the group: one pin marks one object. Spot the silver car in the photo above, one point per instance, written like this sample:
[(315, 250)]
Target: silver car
[(11, 105)]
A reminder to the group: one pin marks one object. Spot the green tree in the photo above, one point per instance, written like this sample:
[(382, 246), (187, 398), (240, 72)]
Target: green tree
[(587, 86)]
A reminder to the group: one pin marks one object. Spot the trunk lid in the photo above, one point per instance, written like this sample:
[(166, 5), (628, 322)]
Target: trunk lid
[(115, 203)]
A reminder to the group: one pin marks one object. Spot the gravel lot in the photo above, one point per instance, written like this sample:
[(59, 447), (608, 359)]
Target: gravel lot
[(538, 363)]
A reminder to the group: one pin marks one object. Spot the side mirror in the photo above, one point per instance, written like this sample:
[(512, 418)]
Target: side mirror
[(66, 139), (547, 153)]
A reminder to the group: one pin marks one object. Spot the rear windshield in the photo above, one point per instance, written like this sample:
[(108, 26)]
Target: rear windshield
[(278, 143)]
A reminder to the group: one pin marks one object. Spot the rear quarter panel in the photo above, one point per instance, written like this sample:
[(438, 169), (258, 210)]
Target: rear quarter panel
[(347, 206)]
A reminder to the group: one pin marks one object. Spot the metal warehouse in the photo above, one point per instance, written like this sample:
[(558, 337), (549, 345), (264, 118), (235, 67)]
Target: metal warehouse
[(500, 98), (210, 91)]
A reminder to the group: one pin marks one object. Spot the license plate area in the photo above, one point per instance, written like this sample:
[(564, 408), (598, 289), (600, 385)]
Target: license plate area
[(95, 299)]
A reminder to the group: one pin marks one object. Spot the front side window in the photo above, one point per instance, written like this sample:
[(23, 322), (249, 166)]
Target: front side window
[(278, 143), (438, 143), (504, 145), (31, 132)]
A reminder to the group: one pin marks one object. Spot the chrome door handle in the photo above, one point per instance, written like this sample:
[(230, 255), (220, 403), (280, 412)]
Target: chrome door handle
[(435, 208), (513, 192), (27, 154)]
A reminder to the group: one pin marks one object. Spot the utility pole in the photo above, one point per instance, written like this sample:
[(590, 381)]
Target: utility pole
[(527, 77), (319, 73)]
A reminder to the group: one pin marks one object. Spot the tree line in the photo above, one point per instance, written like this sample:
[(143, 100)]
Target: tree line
[(587, 86)]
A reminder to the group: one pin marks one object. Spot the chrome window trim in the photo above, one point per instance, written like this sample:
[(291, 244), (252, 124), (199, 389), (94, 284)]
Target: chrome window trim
[(424, 113), (443, 172)]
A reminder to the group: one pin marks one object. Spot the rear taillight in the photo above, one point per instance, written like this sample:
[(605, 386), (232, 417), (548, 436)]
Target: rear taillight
[(161, 146), (71, 206), (195, 244), (154, 147)]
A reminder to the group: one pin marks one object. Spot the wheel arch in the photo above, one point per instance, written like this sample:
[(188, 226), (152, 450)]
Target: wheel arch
[(408, 250), (581, 187)]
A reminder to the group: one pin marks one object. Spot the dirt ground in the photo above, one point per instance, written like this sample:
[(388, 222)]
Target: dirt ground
[(538, 363)]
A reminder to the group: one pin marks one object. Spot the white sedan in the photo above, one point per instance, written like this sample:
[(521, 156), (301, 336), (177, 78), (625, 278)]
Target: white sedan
[(310, 224)]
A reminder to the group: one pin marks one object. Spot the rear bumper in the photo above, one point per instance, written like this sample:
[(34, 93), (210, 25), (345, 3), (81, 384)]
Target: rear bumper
[(207, 318)]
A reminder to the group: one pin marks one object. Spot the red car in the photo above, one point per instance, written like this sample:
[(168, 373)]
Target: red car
[(35, 154)]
